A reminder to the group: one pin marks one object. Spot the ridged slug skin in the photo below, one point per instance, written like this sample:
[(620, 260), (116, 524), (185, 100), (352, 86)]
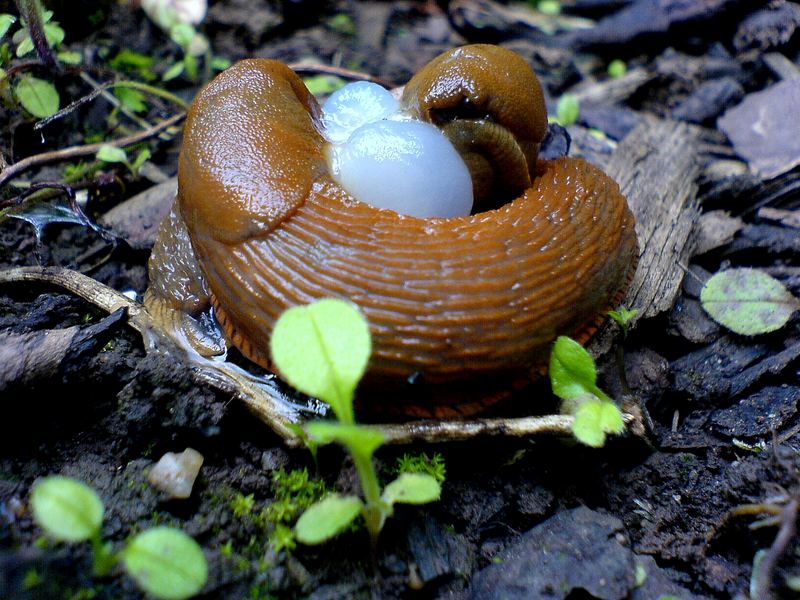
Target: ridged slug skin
[(469, 303)]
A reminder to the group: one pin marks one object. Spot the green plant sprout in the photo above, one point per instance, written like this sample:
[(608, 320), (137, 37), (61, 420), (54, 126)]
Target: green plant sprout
[(623, 317), (165, 562), (422, 463), (322, 349), (617, 68), (37, 32), (549, 7), (568, 110), (112, 154), (573, 377), (294, 492)]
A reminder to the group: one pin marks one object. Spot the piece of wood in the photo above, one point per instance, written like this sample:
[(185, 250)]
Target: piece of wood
[(656, 168)]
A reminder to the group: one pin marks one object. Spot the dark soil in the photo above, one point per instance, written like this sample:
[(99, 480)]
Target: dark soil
[(517, 519)]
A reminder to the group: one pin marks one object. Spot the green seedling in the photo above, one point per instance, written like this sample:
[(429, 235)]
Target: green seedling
[(623, 317), (617, 68), (421, 463), (165, 562), (748, 301), (573, 377), (37, 33), (549, 7), (322, 349), (112, 154), (567, 110)]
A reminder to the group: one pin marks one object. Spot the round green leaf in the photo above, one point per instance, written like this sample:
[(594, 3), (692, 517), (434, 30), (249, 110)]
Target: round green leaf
[(594, 419), (412, 488), (326, 518), (572, 371), (111, 154), (68, 510), (617, 68), (568, 109), (166, 563), (322, 349), (748, 301), (6, 21), (37, 96)]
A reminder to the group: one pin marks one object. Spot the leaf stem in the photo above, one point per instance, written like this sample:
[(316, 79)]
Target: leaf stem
[(375, 512), (103, 557), (31, 12)]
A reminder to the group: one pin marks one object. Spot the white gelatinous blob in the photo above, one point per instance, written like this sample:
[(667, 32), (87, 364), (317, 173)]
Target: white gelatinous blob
[(407, 166), (354, 105)]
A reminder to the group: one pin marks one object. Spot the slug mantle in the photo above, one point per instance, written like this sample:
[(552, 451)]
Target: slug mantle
[(460, 309)]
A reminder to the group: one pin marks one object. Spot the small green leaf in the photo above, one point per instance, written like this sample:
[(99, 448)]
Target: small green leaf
[(111, 154), (141, 158), (617, 68), (6, 21), (220, 63), (182, 34), (326, 518), (66, 509), (623, 318), (132, 99), (361, 437), (594, 419), (70, 58), (549, 7), (37, 96), (322, 349), (342, 23), (166, 563), (412, 488), (748, 301), (54, 34), (321, 85), (173, 72), (572, 371), (190, 66), (24, 47), (568, 109)]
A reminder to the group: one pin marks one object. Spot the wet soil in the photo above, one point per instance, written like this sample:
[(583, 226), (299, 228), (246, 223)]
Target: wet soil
[(640, 518)]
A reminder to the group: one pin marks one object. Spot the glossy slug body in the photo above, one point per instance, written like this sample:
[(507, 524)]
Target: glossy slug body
[(466, 306)]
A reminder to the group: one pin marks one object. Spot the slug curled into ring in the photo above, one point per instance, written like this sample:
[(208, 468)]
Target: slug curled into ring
[(466, 306)]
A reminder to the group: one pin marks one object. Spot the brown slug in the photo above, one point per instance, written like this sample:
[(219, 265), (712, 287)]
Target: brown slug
[(464, 307)]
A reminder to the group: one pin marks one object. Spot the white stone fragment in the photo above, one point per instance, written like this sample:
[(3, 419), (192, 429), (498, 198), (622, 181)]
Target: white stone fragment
[(406, 166), (175, 473), (354, 105), (170, 12)]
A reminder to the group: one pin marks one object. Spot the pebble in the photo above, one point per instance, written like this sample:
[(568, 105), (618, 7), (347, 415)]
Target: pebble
[(174, 474)]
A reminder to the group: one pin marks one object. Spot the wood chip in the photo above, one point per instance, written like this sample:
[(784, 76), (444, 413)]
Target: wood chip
[(765, 129), (656, 168), (714, 229), (136, 220)]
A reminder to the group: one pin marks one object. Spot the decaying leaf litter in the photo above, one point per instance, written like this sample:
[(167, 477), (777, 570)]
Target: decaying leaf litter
[(723, 406)]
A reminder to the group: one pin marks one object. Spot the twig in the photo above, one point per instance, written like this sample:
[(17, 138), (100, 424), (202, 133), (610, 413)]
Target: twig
[(87, 150), (31, 12), (762, 573), (338, 72)]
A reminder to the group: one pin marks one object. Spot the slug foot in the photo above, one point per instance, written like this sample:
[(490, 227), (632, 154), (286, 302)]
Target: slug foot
[(266, 396)]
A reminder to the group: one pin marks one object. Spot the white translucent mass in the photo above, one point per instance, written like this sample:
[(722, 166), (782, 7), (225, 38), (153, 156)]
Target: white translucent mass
[(354, 105), (387, 160), (407, 166)]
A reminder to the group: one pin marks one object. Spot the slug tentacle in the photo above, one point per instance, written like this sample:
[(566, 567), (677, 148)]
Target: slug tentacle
[(466, 307)]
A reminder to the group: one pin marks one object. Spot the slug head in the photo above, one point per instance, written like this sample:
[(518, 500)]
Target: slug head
[(489, 103)]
